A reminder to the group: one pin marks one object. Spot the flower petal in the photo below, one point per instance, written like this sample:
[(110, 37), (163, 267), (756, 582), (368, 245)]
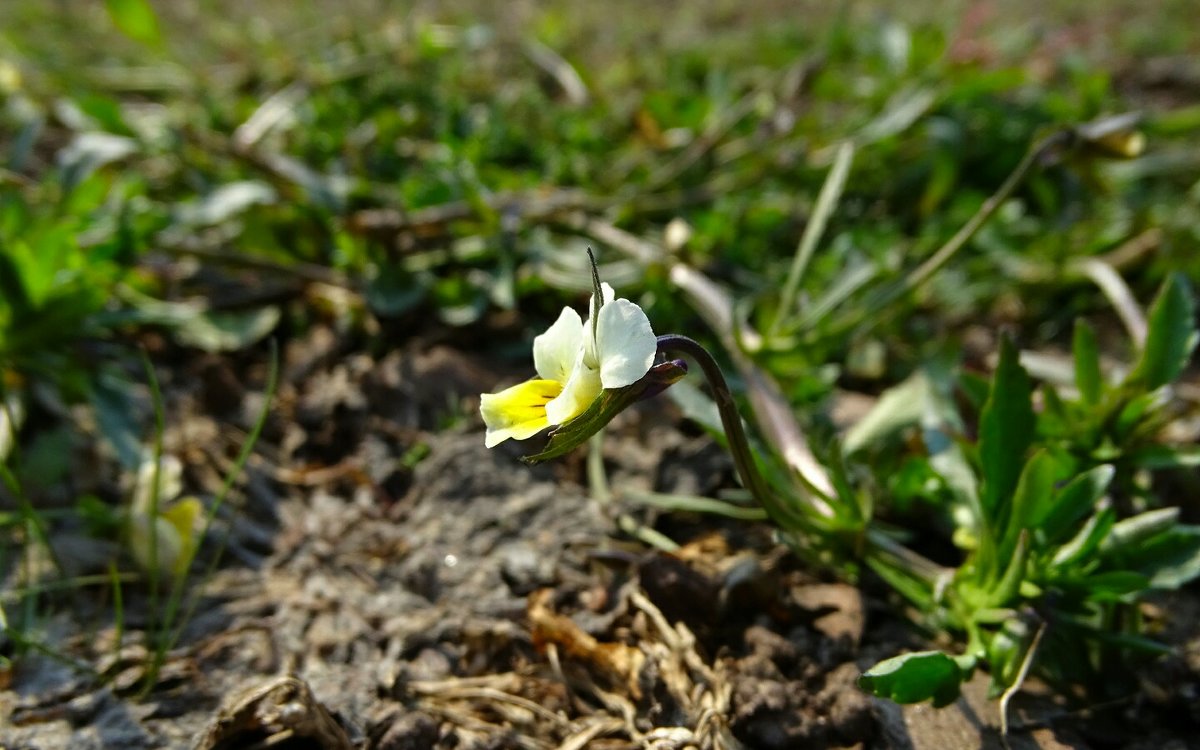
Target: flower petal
[(555, 351), (518, 412), (170, 482), (577, 395), (607, 292), (625, 343), (590, 357), (167, 546)]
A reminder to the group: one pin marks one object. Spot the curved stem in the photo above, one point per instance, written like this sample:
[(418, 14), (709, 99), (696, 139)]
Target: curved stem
[(788, 518), (731, 420)]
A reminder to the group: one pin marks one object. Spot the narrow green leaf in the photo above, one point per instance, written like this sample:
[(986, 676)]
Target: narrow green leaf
[(1074, 502), (913, 587), (1170, 559), (228, 331), (1088, 379), (1055, 419), (694, 504), (1129, 534), (1005, 430), (1113, 585), (1139, 409), (1031, 499), (900, 406), (1170, 335), (915, 677), (1167, 457), (1086, 540), (112, 399), (135, 18), (1009, 584)]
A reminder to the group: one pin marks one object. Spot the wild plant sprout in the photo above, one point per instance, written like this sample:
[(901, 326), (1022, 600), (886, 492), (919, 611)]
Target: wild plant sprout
[(612, 365), (1055, 556)]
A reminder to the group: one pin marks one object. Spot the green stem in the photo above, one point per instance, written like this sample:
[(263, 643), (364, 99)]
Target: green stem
[(788, 518), (739, 445)]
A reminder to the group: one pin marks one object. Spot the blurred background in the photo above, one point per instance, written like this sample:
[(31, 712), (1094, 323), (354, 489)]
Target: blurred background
[(392, 199)]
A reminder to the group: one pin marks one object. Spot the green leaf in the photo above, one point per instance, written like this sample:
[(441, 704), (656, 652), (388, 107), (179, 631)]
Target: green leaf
[(392, 291), (1170, 336), (1055, 419), (135, 18), (1052, 522), (112, 398), (1140, 408), (1129, 534), (1113, 585), (1167, 457), (1086, 540), (900, 406), (1033, 495), (1008, 586), (1006, 430), (1088, 378), (1170, 559), (609, 404), (915, 677), (228, 331), (916, 588)]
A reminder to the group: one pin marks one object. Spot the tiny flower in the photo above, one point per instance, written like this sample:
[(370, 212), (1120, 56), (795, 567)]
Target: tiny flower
[(575, 360), (174, 527)]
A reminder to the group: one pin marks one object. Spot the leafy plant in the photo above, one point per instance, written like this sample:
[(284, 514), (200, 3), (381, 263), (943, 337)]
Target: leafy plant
[(1048, 546), (1117, 421)]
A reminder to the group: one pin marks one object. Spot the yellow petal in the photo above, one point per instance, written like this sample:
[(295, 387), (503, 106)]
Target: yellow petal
[(183, 515), (175, 532), (518, 412)]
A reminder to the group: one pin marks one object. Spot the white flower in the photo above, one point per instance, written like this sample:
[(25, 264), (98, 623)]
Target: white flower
[(173, 529), (575, 360)]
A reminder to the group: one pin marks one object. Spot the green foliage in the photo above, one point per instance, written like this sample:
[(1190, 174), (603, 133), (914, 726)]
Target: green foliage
[(383, 172), (135, 18), (915, 678), (1052, 540), (1171, 335), (1118, 422)]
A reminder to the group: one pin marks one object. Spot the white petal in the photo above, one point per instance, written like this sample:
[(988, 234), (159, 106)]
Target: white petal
[(606, 292), (555, 351), (625, 343), (170, 482), (577, 395), (590, 357)]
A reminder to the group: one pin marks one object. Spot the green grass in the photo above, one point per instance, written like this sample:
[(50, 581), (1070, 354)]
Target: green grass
[(449, 166)]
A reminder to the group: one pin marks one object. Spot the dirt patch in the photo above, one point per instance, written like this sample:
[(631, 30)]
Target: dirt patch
[(395, 586)]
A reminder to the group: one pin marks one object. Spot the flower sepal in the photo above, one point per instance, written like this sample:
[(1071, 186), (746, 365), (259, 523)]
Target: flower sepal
[(611, 402)]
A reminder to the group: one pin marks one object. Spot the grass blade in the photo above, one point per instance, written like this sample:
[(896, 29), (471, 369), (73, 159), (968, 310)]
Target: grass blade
[(827, 199)]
